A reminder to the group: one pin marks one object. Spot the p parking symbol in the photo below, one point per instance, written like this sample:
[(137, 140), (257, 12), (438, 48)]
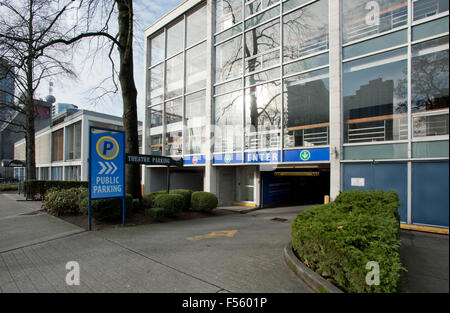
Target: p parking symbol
[(107, 147)]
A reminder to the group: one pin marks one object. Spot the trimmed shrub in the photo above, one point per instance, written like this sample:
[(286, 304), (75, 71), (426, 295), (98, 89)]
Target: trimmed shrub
[(137, 206), (156, 213), (203, 201), (36, 189), (187, 194), (111, 209), (9, 187), (147, 200), (171, 203), (62, 202), (83, 202), (338, 239)]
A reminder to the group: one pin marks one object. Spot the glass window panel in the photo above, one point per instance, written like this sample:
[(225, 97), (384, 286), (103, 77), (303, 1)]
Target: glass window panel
[(426, 8), (387, 151), (306, 64), (156, 144), (195, 140), (174, 142), (262, 76), (253, 7), (306, 109), (156, 113), (229, 59), (375, 98), (196, 26), (263, 17), (228, 87), (430, 125), (430, 149), (363, 18), (174, 76), (175, 38), (429, 29), (156, 84), (306, 31), (259, 40), (228, 13), (195, 122), (228, 33), (157, 49), (195, 106), (429, 77), (196, 68), (291, 4), (378, 43), (228, 122), (263, 116), (174, 111)]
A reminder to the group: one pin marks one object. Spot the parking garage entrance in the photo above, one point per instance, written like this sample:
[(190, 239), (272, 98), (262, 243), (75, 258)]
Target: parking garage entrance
[(295, 185)]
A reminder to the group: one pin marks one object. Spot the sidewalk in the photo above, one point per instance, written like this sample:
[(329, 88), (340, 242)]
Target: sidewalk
[(425, 256)]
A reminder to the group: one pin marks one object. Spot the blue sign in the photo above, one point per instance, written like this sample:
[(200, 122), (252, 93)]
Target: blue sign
[(307, 155), (263, 157), (227, 158), (194, 160), (107, 163)]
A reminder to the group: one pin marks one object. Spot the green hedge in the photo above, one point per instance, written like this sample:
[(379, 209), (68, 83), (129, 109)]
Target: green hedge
[(171, 203), (36, 189), (111, 209), (203, 201), (147, 201), (187, 194), (338, 239), (63, 202), (9, 187), (156, 213)]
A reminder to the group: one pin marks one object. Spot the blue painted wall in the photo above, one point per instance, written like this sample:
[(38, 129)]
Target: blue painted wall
[(430, 185), (383, 176)]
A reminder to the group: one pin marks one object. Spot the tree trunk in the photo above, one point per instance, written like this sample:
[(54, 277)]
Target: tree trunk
[(129, 94)]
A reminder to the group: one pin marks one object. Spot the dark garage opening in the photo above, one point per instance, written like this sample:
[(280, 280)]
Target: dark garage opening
[(295, 186)]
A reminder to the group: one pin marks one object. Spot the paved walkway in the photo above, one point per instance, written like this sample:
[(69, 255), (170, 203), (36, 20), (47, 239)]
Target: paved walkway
[(229, 253)]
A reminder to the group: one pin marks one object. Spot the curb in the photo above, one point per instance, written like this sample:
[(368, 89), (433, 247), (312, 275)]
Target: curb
[(311, 278)]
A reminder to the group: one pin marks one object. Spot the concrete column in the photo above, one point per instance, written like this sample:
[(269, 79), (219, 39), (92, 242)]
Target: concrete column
[(336, 112), (209, 182), (84, 148)]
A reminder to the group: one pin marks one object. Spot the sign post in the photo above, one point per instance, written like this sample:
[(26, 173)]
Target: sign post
[(106, 166)]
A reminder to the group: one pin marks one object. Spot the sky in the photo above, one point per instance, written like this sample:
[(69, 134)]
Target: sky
[(92, 70)]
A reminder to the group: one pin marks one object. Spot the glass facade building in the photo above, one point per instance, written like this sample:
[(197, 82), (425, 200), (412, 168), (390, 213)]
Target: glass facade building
[(273, 101)]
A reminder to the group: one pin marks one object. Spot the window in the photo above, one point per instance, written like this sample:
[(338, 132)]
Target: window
[(229, 59), (174, 111), (306, 31), (196, 68), (426, 8), (174, 143), (174, 77), (228, 122), (58, 145), (196, 26), (228, 13), (73, 173), (363, 18), (255, 6), (175, 38), (156, 144), (156, 114), (263, 116), (375, 98), (306, 111), (73, 141), (57, 173), (157, 49), (262, 46), (156, 84), (43, 173)]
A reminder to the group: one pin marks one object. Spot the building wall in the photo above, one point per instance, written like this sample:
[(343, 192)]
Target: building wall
[(363, 88)]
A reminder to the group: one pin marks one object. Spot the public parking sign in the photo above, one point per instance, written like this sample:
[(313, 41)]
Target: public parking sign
[(106, 166)]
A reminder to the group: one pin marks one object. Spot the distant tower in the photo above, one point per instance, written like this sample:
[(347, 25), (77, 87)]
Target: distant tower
[(50, 98)]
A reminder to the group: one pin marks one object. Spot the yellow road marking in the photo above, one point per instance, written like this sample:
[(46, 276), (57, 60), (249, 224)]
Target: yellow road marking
[(220, 233), (427, 229)]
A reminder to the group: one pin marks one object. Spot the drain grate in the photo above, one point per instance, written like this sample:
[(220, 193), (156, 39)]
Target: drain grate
[(279, 219)]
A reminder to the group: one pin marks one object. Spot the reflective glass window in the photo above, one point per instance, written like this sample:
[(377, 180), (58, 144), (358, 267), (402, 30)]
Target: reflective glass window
[(156, 84), (306, 31), (174, 143), (175, 38), (375, 98), (306, 109), (196, 26), (156, 144), (174, 111), (228, 13), (196, 68), (228, 122), (426, 8), (174, 77), (156, 113), (157, 49), (229, 59)]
